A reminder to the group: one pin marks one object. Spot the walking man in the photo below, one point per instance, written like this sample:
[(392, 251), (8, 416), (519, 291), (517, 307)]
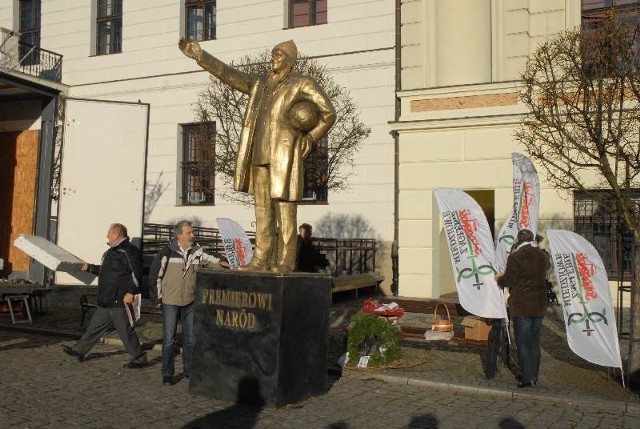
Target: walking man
[(119, 277), (172, 286)]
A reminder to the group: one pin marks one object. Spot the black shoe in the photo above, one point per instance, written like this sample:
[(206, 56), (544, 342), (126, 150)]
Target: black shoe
[(168, 380), (522, 384), (135, 365), (72, 352)]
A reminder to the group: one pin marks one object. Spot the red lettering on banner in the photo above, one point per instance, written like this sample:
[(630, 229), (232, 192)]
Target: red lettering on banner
[(240, 250), (586, 270), (526, 199), (470, 226)]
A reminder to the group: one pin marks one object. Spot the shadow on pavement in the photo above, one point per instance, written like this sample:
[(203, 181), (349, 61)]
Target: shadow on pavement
[(11, 343), (425, 421), (239, 414), (510, 423)]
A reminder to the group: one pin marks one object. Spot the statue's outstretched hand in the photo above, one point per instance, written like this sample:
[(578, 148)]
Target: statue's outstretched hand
[(190, 49)]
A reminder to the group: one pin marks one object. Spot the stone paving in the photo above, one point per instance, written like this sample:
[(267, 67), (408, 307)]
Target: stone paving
[(439, 385)]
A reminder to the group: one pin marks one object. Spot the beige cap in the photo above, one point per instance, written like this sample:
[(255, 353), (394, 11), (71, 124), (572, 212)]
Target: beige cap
[(289, 49)]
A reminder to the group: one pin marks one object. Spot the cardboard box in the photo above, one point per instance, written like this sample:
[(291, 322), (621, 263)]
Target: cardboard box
[(476, 328)]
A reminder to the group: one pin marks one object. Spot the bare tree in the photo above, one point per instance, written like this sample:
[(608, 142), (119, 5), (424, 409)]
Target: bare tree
[(583, 91), (222, 104)]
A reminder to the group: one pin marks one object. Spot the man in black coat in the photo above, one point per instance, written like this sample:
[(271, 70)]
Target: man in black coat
[(525, 277), (119, 277)]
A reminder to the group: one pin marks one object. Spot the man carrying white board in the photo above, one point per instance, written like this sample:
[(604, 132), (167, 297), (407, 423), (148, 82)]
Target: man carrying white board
[(119, 277)]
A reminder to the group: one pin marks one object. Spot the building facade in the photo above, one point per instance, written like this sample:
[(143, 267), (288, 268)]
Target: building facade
[(124, 53), (460, 109)]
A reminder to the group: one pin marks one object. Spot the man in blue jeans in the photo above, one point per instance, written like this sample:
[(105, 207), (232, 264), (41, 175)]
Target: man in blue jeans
[(525, 277), (172, 286)]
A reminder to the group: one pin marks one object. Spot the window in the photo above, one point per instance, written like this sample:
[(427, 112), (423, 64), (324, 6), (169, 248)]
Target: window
[(197, 166), (596, 219), (307, 12), (315, 174), (29, 15), (200, 20), (109, 27), (599, 57)]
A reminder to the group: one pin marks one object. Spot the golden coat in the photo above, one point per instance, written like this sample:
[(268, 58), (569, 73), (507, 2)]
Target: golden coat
[(285, 160)]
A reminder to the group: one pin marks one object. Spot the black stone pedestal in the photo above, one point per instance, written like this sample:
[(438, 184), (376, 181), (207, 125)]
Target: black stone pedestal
[(260, 339)]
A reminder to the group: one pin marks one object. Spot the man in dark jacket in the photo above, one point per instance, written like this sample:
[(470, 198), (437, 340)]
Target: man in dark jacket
[(119, 277), (525, 276), (307, 258)]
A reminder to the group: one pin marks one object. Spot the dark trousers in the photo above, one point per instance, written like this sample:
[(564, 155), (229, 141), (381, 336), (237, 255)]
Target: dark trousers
[(527, 333), (170, 314), (105, 318)]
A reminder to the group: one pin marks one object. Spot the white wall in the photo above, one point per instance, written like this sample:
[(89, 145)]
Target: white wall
[(357, 45), (456, 131)]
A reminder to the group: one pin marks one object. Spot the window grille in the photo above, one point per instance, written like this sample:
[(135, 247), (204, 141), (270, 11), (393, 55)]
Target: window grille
[(197, 165), (596, 219), (316, 174)]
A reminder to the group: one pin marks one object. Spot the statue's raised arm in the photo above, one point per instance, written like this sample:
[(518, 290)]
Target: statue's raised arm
[(234, 78)]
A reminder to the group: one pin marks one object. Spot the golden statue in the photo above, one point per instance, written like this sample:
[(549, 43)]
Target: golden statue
[(286, 115)]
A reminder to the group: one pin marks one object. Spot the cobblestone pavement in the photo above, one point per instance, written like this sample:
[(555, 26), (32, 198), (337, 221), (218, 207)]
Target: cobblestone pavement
[(43, 387), (434, 384)]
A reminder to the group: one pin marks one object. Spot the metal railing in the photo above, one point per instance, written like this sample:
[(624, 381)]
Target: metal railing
[(39, 62), (345, 256)]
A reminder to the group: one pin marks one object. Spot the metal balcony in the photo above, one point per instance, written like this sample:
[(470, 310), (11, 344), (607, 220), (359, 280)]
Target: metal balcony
[(28, 59)]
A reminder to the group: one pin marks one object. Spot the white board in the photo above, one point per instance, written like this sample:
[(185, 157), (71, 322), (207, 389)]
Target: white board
[(102, 177), (48, 254)]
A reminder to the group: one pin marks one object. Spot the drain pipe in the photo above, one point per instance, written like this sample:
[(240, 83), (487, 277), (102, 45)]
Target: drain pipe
[(395, 286)]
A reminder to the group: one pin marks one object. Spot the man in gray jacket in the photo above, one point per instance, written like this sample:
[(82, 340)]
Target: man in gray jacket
[(172, 285)]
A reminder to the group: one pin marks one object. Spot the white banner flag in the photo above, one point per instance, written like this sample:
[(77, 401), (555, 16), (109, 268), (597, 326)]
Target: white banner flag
[(471, 249), (235, 241), (526, 206), (586, 299)]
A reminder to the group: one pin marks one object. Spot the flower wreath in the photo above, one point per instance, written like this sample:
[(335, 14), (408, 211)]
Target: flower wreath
[(367, 334)]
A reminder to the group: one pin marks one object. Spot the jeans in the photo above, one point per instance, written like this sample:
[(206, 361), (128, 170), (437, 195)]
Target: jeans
[(527, 333), (170, 315)]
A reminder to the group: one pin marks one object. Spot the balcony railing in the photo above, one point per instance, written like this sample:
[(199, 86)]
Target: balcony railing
[(29, 59), (40, 62)]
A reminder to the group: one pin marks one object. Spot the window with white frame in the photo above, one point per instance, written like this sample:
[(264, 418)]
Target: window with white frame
[(200, 19), (599, 59), (29, 18), (197, 164), (303, 13), (109, 27)]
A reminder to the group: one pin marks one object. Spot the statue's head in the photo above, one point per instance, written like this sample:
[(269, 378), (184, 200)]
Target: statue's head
[(284, 56)]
